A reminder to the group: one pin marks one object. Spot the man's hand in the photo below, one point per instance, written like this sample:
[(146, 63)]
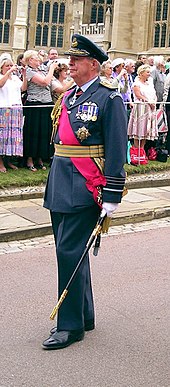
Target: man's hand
[(109, 208)]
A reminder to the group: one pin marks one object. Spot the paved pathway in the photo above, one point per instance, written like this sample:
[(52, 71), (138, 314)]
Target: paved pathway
[(48, 240), (130, 345), (26, 219)]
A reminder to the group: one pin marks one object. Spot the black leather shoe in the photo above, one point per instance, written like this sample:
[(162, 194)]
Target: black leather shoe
[(88, 326), (62, 339)]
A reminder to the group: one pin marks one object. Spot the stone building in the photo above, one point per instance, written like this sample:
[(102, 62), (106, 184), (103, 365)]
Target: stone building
[(122, 27)]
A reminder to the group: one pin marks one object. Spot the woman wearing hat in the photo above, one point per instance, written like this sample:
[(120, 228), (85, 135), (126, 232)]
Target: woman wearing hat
[(142, 124), (106, 73), (120, 74), (11, 114)]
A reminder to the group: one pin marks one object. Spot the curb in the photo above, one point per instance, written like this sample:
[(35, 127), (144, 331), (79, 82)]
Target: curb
[(26, 233), (21, 196), (46, 229), (148, 183), (38, 192)]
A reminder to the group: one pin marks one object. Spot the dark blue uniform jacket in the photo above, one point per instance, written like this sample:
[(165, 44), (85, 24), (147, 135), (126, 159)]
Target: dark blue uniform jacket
[(101, 111)]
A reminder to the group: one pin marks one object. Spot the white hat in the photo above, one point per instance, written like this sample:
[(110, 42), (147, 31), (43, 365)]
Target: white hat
[(4, 58), (117, 62)]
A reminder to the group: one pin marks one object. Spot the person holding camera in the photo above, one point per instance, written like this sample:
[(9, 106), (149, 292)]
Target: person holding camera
[(61, 81), (37, 110)]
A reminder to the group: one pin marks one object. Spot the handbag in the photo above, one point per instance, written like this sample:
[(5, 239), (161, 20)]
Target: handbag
[(162, 155), (152, 154), (138, 156), (161, 121)]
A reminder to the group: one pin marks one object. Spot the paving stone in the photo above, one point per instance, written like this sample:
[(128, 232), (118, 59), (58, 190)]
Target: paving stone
[(12, 221), (35, 214)]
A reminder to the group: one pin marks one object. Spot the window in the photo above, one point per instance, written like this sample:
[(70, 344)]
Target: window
[(5, 14), (161, 33), (98, 10), (50, 23)]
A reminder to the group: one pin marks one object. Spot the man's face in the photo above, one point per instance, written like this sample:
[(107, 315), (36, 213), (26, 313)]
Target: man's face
[(130, 68), (143, 59), (82, 69), (53, 54)]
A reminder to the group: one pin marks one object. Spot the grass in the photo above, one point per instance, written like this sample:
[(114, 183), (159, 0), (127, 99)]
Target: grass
[(23, 177), (152, 166)]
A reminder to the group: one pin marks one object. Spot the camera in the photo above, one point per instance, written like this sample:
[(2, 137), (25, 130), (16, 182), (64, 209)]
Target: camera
[(19, 67)]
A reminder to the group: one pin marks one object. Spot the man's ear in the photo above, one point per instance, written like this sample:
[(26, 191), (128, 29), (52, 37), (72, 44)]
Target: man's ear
[(95, 64)]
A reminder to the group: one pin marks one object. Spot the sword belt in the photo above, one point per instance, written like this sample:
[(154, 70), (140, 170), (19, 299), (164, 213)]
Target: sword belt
[(79, 150)]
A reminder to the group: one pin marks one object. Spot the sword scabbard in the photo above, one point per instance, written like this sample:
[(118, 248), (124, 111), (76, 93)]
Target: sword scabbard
[(55, 309)]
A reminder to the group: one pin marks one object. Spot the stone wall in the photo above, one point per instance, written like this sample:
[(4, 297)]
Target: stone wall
[(130, 33)]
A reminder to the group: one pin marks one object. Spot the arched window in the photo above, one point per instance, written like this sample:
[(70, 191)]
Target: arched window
[(60, 37), (45, 36), (50, 23), (5, 14), (157, 35), (38, 35), (98, 10), (163, 35), (165, 10), (55, 13), (53, 36), (1, 27), (6, 33), (158, 10), (161, 38), (100, 15), (8, 9), (61, 14), (47, 12), (40, 11), (93, 14), (1, 9)]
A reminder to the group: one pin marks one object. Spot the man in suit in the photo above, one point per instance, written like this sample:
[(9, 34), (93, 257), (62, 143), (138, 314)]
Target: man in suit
[(92, 130)]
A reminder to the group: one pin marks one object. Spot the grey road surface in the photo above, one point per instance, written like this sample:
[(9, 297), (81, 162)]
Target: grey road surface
[(130, 346)]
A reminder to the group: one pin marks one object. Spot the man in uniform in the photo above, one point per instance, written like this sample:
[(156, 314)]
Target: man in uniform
[(91, 135)]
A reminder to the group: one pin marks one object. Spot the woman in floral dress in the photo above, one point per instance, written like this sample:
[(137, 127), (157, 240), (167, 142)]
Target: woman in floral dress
[(11, 113)]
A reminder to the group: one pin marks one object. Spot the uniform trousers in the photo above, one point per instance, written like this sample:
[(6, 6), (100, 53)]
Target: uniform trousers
[(71, 233)]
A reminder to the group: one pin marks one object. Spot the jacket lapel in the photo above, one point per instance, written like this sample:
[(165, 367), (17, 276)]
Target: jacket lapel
[(87, 94)]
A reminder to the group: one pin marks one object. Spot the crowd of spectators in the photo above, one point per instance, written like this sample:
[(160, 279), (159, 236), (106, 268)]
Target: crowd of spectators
[(29, 89), (144, 85)]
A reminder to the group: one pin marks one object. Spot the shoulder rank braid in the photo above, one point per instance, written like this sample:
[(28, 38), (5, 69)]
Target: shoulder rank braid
[(108, 85), (55, 115)]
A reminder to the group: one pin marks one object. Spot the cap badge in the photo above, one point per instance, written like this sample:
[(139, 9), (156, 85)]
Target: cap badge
[(74, 43), (82, 133)]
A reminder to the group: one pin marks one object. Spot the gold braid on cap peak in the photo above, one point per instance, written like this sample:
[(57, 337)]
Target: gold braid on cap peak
[(55, 115), (78, 52)]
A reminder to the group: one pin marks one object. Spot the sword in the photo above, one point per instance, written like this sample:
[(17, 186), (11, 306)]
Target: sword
[(96, 232)]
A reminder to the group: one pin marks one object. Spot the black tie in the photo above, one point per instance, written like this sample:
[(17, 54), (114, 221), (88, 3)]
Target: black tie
[(78, 93)]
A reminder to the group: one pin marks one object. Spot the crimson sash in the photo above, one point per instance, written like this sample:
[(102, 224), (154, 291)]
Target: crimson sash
[(87, 168)]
